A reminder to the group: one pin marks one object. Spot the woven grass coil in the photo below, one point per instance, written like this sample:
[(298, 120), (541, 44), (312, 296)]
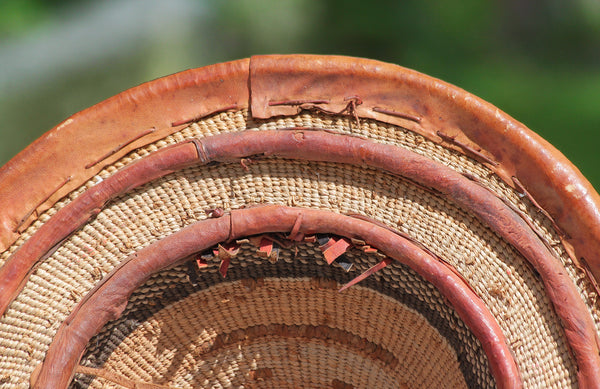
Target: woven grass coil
[(297, 221)]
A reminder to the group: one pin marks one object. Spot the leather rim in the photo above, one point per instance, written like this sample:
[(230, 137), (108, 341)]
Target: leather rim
[(303, 143), (109, 298), (284, 85)]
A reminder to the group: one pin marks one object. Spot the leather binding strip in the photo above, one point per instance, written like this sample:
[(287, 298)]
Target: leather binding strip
[(105, 132), (15, 271), (425, 105), (109, 297), (277, 85), (286, 85), (309, 144), (256, 272)]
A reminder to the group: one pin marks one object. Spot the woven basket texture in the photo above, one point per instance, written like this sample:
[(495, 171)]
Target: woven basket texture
[(284, 324)]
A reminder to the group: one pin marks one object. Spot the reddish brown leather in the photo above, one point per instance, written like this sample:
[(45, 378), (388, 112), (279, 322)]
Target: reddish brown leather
[(552, 180), (31, 177), (16, 270), (325, 146), (75, 151), (108, 299)]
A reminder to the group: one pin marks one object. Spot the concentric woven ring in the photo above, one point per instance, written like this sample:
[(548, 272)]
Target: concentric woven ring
[(354, 156)]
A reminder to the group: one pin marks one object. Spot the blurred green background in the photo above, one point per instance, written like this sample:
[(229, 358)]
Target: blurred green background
[(538, 60)]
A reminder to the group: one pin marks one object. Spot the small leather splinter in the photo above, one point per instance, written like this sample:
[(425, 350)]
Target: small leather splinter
[(334, 248), (225, 252), (201, 262), (267, 248), (366, 274)]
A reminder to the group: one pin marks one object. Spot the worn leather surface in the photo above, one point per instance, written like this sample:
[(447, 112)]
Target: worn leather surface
[(361, 87), (78, 148), (546, 174), (311, 144), (108, 299), (29, 181)]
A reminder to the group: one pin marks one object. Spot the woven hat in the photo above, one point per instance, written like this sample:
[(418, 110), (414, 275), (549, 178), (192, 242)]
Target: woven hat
[(297, 221)]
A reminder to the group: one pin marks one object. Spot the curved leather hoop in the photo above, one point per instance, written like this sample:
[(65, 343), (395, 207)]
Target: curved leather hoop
[(108, 298), (270, 86), (283, 85), (323, 146)]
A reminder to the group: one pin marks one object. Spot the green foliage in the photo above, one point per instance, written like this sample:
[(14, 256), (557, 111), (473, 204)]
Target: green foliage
[(538, 60), (17, 16)]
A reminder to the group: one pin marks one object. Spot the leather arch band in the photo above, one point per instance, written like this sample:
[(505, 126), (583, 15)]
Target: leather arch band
[(268, 87), (108, 299), (280, 85), (311, 144)]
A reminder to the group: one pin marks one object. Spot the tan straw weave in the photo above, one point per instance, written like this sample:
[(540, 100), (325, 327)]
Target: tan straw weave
[(196, 232)]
